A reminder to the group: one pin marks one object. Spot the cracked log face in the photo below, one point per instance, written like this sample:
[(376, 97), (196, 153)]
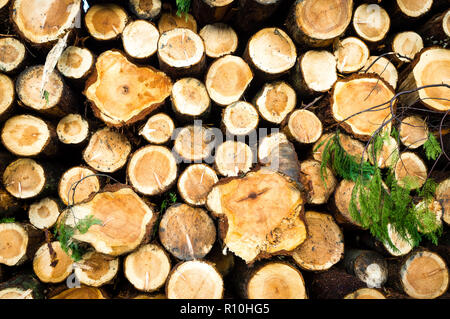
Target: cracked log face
[(122, 93), (44, 21), (253, 222), (359, 93), (43, 259), (125, 219)]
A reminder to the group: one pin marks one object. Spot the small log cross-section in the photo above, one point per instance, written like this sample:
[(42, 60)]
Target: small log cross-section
[(240, 118), (76, 185), (76, 63), (253, 224), (194, 143), (18, 243), (96, 269), (146, 9), (152, 170), (443, 196), (12, 55), (44, 213), (121, 92), (407, 44), (317, 23), (25, 178), (227, 79), (194, 279), (105, 21), (413, 132), (187, 232), (360, 103), (369, 266), (431, 66), (233, 158), (324, 246), (220, 39), (7, 96), (351, 54), (318, 190), (43, 267), (410, 171), (383, 67), (126, 220), (303, 126), (371, 23), (190, 99), (365, 293), (140, 39), (195, 183), (147, 268), (72, 129), (158, 129)]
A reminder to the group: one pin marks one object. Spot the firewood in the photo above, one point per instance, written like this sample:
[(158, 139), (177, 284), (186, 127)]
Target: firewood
[(41, 24), (302, 126), (12, 55), (140, 89), (73, 129), (268, 144), (190, 99), (76, 63), (194, 143), (324, 246), (158, 129), (43, 267), (220, 39), (251, 13), (140, 40), (351, 146), (406, 44), (383, 67), (272, 280), (351, 54), (369, 266), (273, 228), (275, 101), (429, 67), (271, 53), (146, 9), (56, 98), (105, 21), (44, 213), (170, 21), (407, 12), (96, 269), (4, 9), (314, 73), (353, 104), (233, 158), (435, 208), (77, 184), (210, 11), (240, 118), (194, 279), (107, 151), (28, 135), (126, 219), (365, 293), (410, 171), (147, 268), (413, 131), (436, 31), (195, 183), (443, 195), (186, 232), (388, 154), (341, 203), (7, 98), (81, 293), (334, 284), (227, 79), (19, 242), (23, 286), (318, 190), (309, 26), (371, 23), (152, 170), (402, 246)]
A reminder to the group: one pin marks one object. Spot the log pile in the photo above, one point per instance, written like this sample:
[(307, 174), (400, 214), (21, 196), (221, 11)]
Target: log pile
[(224, 149)]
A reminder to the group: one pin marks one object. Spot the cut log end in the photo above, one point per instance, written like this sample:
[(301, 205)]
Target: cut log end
[(13, 243), (413, 132), (369, 28), (324, 246), (414, 8), (368, 266), (387, 156), (96, 269), (238, 76), (170, 21), (125, 93), (190, 98), (233, 158), (140, 39), (304, 127), (407, 44), (195, 183), (342, 199), (16, 293), (435, 208), (274, 228), (42, 24), (318, 190), (194, 280), (384, 68), (24, 178), (72, 129), (105, 21), (7, 94), (365, 293), (353, 147), (194, 143), (107, 151), (220, 39), (318, 71), (146, 9), (276, 280), (12, 54), (75, 63), (81, 293), (152, 170), (269, 144), (240, 118), (26, 135), (443, 196), (44, 213), (186, 232), (424, 264), (410, 171), (275, 101), (401, 246), (43, 259), (351, 55), (77, 184), (158, 129)]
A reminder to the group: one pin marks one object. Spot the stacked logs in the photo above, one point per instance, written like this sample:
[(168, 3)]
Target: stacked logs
[(194, 145)]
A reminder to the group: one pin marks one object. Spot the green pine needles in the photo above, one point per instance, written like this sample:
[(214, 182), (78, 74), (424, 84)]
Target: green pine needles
[(7, 220), (432, 147), (377, 199), (183, 7)]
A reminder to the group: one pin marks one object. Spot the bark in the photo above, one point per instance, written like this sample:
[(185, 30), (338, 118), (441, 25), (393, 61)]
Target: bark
[(436, 31), (210, 11), (252, 13), (222, 259), (334, 284), (369, 266), (9, 205), (105, 22)]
